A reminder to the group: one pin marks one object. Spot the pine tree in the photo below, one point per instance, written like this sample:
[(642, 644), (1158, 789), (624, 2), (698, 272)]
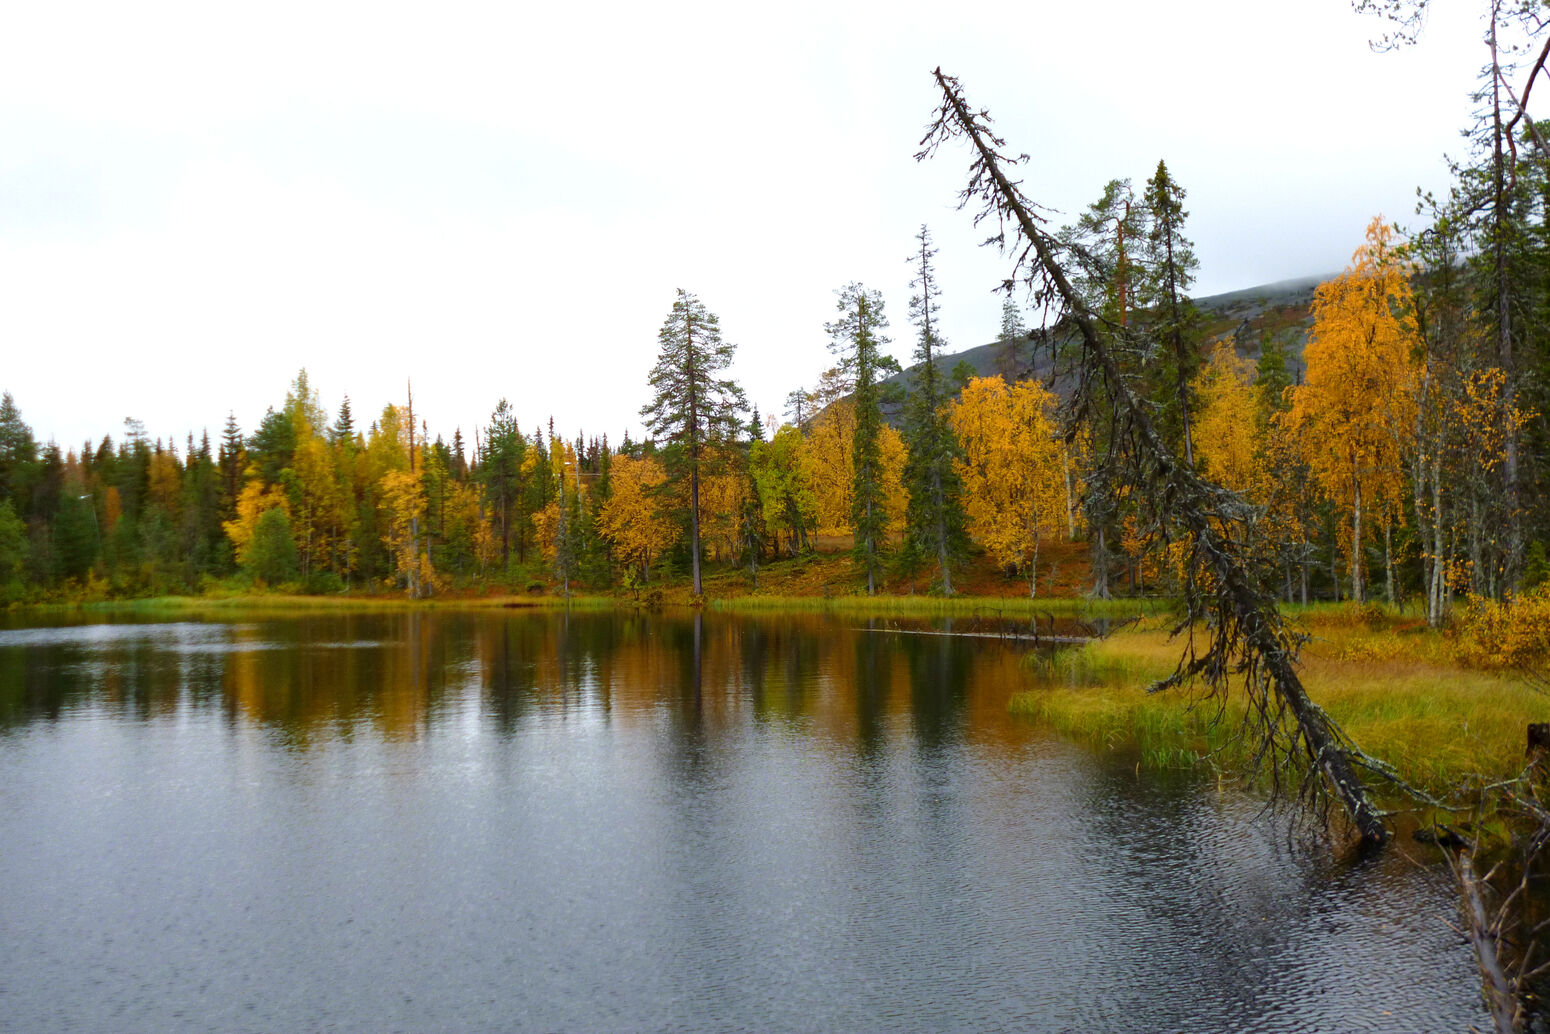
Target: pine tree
[(857, 338), (934, 518), (693, 410)]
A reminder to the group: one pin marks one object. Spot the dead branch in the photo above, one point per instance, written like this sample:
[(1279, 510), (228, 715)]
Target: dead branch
[(1243, 632)]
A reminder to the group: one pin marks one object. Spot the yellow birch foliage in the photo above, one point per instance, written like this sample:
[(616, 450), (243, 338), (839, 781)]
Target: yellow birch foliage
[(1225, 430), (723, 490), (321, 509), (467, 521), (546, 529), (828, 465), (631, 519), (255, 499), (403, 504), (892, 452), (784, 493), (1512, 636), (1354, 414), (1012, 471), (165, 483)]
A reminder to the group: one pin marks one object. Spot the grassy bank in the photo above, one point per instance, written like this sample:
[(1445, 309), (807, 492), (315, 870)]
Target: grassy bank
[(281, 603), (938, 606), (1391, 684)]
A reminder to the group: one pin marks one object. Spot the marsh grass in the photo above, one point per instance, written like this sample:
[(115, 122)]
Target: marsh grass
[(1395, 688), (938, 606)]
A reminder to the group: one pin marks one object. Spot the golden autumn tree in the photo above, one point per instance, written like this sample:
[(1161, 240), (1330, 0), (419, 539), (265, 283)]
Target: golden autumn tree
[(1225, 431), (724, 489), (164, 483), (403, 508), (551, 524), (1013, 470), (469, 530), (828, 468), (892, 455), (396, 472), (255, 500), (1354, 415), (631, 518), (318, 505), (785, 496)]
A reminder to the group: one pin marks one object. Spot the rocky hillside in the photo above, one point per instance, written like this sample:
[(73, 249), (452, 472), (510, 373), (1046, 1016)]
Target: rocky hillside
[(1279, 310)]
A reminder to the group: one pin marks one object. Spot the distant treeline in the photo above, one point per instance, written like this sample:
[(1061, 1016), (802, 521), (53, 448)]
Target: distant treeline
[(1411, 454)]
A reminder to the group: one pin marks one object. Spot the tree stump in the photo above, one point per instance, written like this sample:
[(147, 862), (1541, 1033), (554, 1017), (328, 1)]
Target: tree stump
[(1538, 742)]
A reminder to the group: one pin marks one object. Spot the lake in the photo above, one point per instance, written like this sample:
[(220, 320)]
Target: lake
[(512, 820)]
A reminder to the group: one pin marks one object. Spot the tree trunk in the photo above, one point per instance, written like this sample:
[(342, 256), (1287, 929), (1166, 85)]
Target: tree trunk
[(694, 521), (1065, 462), (1033, 570), (1100, 555), (1439, 562), (941, 532), (1357, 586), (1513, 562), (1388, 559)]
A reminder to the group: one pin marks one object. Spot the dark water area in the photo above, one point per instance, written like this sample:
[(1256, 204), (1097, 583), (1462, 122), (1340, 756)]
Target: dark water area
[(493, 821)]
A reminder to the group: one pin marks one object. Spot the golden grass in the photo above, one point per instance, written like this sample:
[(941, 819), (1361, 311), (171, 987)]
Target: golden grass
[(1395, 689)]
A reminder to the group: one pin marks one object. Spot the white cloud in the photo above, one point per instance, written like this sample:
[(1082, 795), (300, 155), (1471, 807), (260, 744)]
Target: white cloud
[(499, 200)]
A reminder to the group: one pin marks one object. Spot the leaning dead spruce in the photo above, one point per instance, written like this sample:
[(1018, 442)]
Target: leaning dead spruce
[(1244, 634)]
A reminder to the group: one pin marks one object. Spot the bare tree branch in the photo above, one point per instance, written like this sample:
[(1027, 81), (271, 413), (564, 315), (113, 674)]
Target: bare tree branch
[(1241, 632)]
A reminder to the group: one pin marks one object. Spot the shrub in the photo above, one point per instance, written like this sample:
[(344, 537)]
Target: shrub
[(1513, 635)]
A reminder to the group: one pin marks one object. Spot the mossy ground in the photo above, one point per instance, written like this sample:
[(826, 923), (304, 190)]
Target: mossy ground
[(1392, 684)]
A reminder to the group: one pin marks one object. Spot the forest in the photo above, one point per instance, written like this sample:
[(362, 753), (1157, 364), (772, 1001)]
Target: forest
[(1387, 445), (1392, 445)]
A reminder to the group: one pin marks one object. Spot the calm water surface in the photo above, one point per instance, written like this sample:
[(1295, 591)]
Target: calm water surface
[(498, 821)]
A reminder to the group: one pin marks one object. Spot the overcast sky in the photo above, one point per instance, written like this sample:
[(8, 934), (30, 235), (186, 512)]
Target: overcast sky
[(197, 200)]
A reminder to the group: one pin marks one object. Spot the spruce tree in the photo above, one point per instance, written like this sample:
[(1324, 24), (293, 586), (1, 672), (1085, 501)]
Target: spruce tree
[(1103, 246), (934, 517), (18, 455), (1010, 340), (1164, 290), (232, 460), (857, 338), (500, 469), (691, 409), (343, 431)]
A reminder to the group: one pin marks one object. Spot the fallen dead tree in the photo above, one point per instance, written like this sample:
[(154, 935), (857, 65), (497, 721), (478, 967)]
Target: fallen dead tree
[(1232, 625)]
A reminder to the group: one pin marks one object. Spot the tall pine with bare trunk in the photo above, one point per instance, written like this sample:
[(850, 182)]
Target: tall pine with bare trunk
[(693, 412)]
